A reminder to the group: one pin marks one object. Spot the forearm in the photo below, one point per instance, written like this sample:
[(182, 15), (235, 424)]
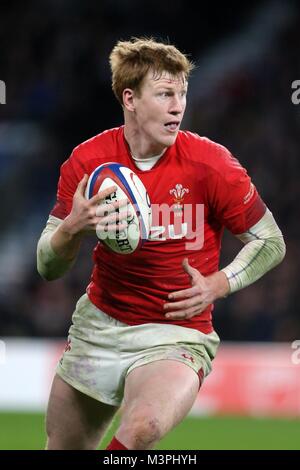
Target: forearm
[(264, 249), (219, 284), (57, 249)]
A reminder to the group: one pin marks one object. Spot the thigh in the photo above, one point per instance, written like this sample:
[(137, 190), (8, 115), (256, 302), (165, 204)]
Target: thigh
[(91, 360), (163, 391), (75, 420)]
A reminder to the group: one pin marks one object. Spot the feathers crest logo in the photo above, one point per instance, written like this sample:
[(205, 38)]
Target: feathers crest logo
[(178, 192)]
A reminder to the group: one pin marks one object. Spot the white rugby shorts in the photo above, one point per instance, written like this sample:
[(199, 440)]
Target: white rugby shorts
[(102, 351)]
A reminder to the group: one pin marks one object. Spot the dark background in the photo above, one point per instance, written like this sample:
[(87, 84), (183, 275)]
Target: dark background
[(54, 61)]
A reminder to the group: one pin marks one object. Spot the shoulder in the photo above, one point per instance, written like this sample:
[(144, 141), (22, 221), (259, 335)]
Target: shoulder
[(202, 148), (99, 144), (93, 152), (213, 155)]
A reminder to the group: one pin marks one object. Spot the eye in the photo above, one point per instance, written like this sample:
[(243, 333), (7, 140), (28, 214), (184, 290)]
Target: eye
[(164, 94)]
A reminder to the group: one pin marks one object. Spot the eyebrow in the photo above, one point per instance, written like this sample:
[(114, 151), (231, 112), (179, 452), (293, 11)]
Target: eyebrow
[(182, 82), (170, 88)]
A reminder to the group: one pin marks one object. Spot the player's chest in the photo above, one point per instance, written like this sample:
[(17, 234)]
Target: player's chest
[(174, 186), (177, 201)]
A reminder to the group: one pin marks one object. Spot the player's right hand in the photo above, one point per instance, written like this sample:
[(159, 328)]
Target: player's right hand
[(87, 214)]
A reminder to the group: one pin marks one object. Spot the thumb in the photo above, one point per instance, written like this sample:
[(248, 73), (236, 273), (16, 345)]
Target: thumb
[(82, 185), (192, 272)]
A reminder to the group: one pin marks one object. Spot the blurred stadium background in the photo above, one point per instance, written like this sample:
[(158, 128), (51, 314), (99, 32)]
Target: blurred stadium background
[(54, 62)]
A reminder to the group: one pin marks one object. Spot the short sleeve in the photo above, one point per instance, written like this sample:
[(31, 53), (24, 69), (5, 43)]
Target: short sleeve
[(233, 198), (71, 172)]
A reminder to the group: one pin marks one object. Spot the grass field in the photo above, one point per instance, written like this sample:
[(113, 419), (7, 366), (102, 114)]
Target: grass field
[(26, 431)]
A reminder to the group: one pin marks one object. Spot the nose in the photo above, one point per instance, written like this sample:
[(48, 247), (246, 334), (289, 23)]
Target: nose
[(177, 105)]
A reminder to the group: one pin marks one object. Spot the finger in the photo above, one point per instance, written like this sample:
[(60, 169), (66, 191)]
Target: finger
[(186, 314), (82, 185), (103, 194), (183, 304), (105, 209), (95, 225), (113, 217), (184, 294), (111, 231)]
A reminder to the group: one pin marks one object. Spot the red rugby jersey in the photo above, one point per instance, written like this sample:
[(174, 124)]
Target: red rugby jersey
[(201, 182)]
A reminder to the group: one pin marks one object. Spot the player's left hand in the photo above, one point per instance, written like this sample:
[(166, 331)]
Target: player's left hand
[(187, 303)]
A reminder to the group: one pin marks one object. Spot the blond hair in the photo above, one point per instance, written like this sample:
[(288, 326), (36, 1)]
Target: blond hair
[(131, 60)]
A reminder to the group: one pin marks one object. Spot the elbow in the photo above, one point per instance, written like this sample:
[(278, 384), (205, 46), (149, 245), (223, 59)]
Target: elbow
[(45, 268), (46, 261), (45, 273), (281, 250), (51, 270)]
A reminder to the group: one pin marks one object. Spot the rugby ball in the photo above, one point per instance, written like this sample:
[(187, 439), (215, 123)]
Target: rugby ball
[(129, 186)]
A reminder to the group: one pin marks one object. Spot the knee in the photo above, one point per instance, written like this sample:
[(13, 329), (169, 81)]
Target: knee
[(141, 429), (72, 439), (56, 441)]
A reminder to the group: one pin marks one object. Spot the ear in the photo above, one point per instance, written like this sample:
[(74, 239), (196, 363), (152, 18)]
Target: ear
[(128, 99)]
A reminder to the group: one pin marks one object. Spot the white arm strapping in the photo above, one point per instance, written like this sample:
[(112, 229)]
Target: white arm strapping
[(264, 249), (49, 265)]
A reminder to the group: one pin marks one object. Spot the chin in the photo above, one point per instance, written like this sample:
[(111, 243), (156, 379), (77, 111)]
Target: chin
[(167, 141)]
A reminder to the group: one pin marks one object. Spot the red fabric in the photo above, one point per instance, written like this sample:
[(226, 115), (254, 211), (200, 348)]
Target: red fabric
[(133, 288), (201, 377), (116, 445)]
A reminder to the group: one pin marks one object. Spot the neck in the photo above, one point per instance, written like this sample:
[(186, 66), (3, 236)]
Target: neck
[(139, 146)]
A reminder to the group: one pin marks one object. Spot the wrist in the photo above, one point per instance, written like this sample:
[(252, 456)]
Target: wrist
[(65, 241), (68, 229), (221, 284)]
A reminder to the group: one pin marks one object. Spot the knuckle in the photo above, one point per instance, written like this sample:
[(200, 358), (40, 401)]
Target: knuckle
[(86, 208), (83, 203), (100, 210)]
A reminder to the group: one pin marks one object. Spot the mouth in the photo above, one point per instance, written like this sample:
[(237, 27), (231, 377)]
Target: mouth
[(172, 126)]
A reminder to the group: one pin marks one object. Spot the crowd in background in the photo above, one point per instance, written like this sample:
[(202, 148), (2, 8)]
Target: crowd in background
[(56, 70)]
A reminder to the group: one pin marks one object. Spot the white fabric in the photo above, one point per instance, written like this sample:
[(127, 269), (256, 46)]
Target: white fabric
[(102, 351), (49, 265), (146, 163), (264, 249)]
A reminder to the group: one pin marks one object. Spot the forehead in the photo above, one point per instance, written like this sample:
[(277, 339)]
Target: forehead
[(160, 79)]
